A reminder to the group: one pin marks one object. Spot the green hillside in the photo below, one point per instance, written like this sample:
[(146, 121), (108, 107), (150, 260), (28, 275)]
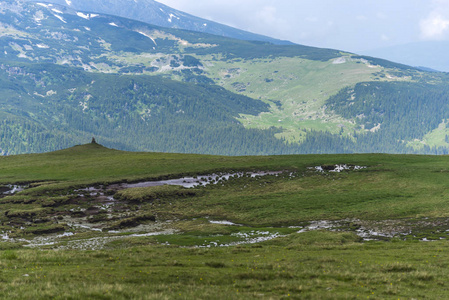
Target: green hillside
[(66, 76), (64, 106)]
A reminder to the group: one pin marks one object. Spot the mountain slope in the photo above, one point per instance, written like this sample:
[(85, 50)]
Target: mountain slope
[(53, 112), (66, 75), (65, 105), (45, 106), (153, 12)]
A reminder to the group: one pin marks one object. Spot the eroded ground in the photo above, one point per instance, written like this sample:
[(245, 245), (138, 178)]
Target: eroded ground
[(96, 217)]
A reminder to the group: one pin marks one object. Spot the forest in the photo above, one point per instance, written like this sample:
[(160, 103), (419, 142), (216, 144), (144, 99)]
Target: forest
[(158, 114)]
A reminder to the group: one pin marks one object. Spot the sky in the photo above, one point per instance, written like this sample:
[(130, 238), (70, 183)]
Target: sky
[(351, 25)]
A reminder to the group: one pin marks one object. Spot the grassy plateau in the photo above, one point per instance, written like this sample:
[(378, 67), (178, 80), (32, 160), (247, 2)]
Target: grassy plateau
[(83, 223)]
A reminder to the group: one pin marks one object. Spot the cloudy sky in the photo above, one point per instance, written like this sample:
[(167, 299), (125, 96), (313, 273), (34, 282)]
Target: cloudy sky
[(352, 25)]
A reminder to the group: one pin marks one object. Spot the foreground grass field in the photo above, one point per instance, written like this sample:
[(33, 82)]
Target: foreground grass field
[(313, 265), (377, 229)]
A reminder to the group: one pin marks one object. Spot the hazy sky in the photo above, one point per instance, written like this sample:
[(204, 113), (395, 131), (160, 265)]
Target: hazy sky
[(352, 25)]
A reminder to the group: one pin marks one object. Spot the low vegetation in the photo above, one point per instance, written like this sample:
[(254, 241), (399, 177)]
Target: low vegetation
[(325, 226), (314, 265)]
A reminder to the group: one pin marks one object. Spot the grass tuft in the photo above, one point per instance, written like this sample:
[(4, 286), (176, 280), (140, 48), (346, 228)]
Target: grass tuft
[(398, 267)]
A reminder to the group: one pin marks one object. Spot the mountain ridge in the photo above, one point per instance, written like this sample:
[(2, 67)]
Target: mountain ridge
[(153, 12), (67, 75)]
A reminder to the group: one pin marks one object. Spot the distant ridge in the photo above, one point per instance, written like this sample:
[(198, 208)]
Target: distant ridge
[(427, 55), (153, 12)]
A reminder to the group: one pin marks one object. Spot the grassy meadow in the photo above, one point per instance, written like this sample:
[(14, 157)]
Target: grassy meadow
[(303, 86), (384, 233)]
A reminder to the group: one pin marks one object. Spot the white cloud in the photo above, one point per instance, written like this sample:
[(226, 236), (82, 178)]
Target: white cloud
[(351, 25), (436, 25)]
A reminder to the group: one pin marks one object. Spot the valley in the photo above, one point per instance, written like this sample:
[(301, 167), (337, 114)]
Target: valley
[(286, 93)]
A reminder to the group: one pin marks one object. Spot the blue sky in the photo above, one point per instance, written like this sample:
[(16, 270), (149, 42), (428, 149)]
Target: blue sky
[(352, 25)]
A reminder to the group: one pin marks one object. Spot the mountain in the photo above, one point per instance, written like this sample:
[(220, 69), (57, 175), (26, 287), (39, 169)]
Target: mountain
[(67, 75), (153, 12), (62, 82), (430, 54)]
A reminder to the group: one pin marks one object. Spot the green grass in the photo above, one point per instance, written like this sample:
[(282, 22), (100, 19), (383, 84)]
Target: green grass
[(410, 190), (406, 190), (145, 194), (315, 265), (435, 138), (95, 164), (392, 186)]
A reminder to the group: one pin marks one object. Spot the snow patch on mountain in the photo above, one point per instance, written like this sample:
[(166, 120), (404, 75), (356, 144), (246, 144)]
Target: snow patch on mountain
[(86, 16), (60, 18), (144, 34), (81, 15), (113, 24), (172, 16), (44, 5), (57, 11), (68, 2)]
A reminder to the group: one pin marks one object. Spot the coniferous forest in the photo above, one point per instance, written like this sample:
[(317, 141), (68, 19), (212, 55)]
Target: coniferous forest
[(66, 76)]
